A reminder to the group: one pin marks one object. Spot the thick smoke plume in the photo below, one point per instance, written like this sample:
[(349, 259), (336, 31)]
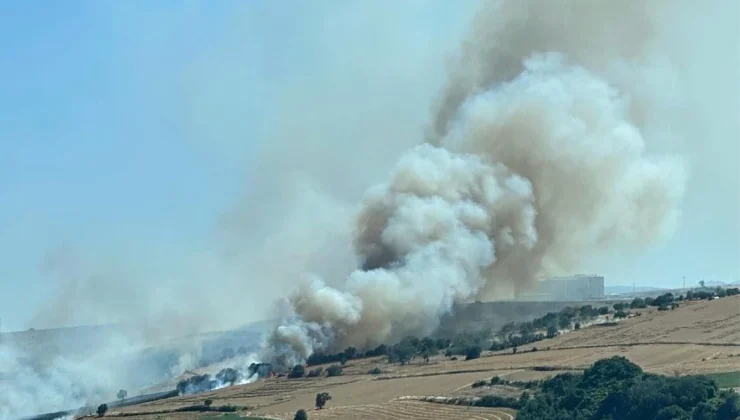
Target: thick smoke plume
[(537, 157)]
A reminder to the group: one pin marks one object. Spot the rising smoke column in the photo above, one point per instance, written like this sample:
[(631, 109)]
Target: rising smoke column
[(537, 157)]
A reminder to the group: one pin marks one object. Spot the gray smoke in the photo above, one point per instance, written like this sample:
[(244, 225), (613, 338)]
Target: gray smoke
[(537, 157)]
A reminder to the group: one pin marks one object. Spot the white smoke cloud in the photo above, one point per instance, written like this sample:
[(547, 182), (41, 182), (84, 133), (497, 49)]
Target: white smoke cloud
[(537, 159)]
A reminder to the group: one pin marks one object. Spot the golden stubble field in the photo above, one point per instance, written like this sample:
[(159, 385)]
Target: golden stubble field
[(698, 337)]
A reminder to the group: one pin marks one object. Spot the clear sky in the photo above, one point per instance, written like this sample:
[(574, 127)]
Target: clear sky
[(135, 122), (91, 152)]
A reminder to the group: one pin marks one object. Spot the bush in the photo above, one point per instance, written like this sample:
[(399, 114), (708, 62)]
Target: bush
[(496, 380), (374, 371), (734, 291), (619, 306), (314, 373), (497, 401), (638, 303), (321, 399), (621, 314), (102, 408), (226, 409), (401, 353), (472, 352), (663, 300), (381, 350), (297, 372), (208, 402), (663, 308), (552, 332), (478, 384), (334, 370), (301, 415), (603, 310), (577, 326)]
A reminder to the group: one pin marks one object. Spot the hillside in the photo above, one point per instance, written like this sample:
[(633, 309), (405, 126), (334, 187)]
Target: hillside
[(697, 337)]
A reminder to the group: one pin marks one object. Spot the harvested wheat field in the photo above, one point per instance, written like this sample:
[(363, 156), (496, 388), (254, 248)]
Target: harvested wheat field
[(697, 337), (409, 410)]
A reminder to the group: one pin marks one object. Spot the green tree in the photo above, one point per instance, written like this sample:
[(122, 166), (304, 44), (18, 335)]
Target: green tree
[(552, 332), (122, 394), (638, 303), (208, 402), (334, 370), (102, 408), (730, 409), (563, 322), (603, 310), (350, 353), (404, 351), (297, 372), (672, 412), (472, 352), (301, 415), (321, 399), (664, 300), (704, 411)]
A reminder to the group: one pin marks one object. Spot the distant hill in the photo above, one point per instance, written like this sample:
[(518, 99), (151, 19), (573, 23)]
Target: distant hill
[(716, 283), (617, 290)]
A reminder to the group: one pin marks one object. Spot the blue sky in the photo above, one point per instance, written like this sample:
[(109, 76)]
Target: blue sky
[(90, 152)]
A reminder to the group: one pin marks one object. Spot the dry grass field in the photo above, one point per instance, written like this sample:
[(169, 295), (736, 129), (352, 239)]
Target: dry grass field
[(697, 337)]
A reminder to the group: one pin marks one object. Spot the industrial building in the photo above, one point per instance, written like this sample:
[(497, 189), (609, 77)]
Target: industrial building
[(571, 288)]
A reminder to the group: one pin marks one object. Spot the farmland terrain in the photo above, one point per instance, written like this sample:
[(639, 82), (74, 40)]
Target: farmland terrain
[(698, 337)]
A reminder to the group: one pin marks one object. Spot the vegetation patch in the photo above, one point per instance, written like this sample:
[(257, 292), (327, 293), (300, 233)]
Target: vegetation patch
[(616, 389), (726, 379)]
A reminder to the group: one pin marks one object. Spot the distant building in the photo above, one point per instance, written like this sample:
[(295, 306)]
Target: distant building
[(571, 288)]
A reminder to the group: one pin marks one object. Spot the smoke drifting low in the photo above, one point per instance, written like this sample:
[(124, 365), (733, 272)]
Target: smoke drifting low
[(537, 158)]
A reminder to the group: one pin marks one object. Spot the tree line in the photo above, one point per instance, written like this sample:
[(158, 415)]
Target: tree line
[(512, 335), (616, 389)]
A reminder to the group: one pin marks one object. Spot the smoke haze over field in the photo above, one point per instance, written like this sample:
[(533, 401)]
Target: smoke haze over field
[(560, 139)]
